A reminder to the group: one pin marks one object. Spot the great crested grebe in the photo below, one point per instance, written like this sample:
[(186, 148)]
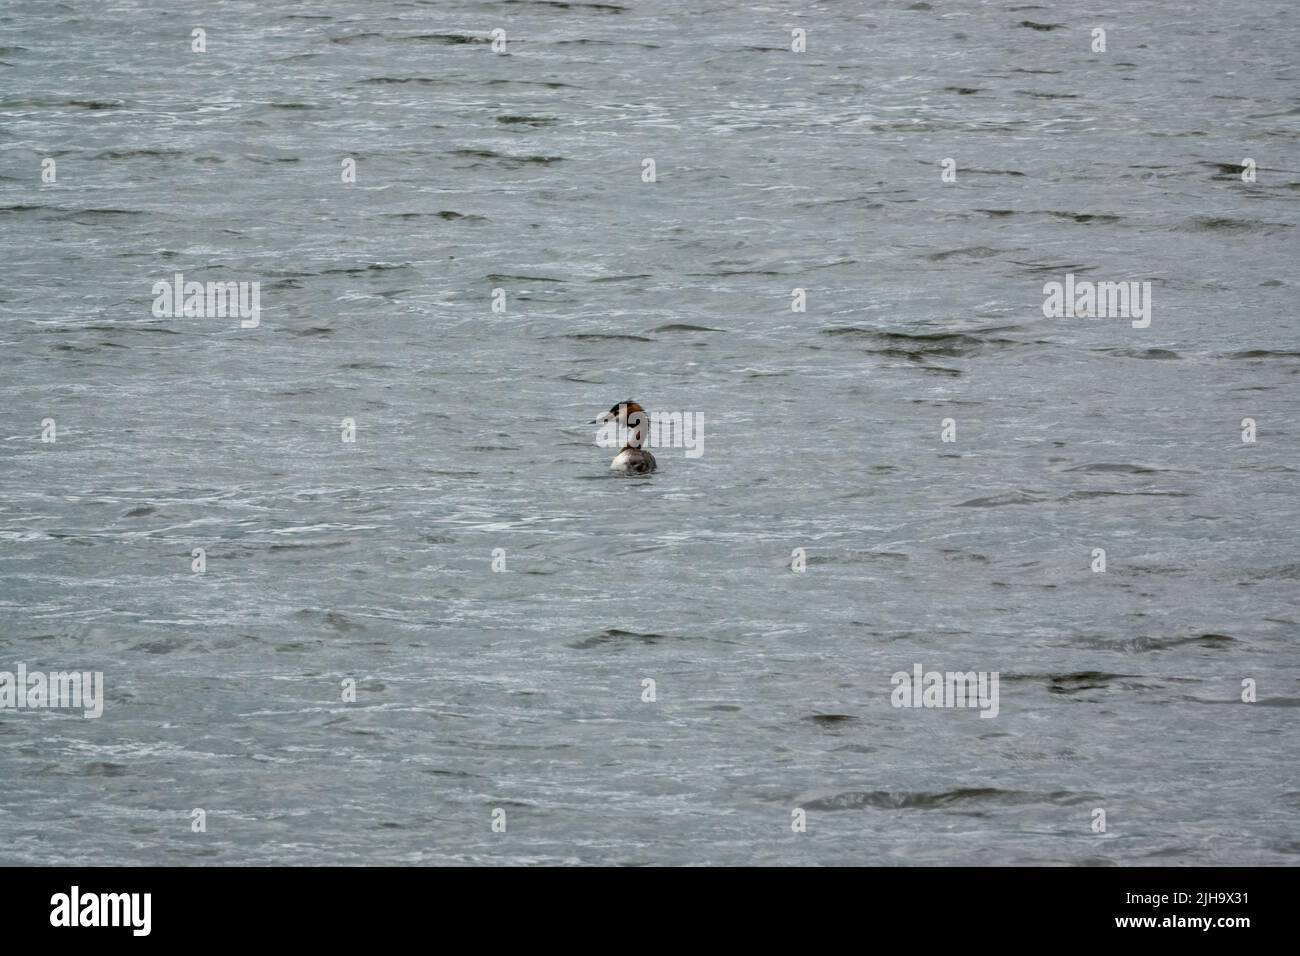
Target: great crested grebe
[(631, 421)]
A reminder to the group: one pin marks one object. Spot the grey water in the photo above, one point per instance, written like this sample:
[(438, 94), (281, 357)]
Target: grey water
[(521, 690)]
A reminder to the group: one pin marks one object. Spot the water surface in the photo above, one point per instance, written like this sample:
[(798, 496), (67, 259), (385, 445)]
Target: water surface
[(522, 690)]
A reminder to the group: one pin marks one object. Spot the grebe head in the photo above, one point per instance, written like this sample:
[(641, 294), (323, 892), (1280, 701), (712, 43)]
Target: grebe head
[(627, 414)]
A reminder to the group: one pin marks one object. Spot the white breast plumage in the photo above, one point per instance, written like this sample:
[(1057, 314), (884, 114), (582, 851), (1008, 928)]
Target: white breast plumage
[(633, 461)]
